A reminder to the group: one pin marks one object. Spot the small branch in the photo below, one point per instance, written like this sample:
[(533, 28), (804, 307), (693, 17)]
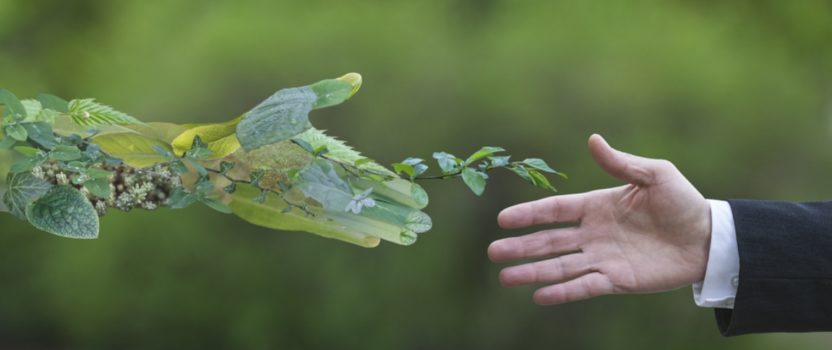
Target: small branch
[(302, 208)]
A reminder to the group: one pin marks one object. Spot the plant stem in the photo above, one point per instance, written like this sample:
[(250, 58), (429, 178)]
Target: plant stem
[(302, 208)]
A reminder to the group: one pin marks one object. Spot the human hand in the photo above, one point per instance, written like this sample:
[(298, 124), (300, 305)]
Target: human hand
[(651, 235)]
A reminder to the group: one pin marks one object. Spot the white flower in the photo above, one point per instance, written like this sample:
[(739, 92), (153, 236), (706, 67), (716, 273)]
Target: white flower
[(360, 201)]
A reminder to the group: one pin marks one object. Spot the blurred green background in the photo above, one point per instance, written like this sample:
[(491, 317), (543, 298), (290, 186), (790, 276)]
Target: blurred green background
[(737, 93)]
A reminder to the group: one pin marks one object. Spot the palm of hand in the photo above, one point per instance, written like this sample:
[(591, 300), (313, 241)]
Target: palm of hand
[(649, 236)]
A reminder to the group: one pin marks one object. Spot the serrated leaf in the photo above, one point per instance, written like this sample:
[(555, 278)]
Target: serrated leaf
[(87, 112), (66, 212), (133, 149), (482, 153), (23, 188), (474, 179), (13, 105), (539, 164), (286, 113)]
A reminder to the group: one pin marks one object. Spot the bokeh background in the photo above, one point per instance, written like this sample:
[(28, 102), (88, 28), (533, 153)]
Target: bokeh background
[(737, 93)]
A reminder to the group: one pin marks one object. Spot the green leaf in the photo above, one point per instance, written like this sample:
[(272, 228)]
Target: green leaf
[(13, 105), (135, 150), (217, 205), (199, 150), (99, 187), (278, 118), (273, 213), (97, 173), (219, 139), (474, 179), (230, 188), (418, 165), (499, 161), (179, 167), (540, 180), (28, 151), (66, 212), (180, 198), (17, 132), (419, 195), (42, 134), (225, 167), (53, 102), (87, 112), (321, 183), (65, 153), (331, 92), (406, 169), (7, 142), (482, 153), (447, 162), (27, 163), (522, 172), (539, 164), (23, 188), (286, 113)]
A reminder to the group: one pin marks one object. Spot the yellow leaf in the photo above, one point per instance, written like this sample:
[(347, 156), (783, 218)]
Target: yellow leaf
[(221, 138), (133, 149)]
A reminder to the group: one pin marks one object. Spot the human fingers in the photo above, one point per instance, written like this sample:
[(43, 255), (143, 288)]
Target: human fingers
[(554, 209), (555, 270), (535, 245)]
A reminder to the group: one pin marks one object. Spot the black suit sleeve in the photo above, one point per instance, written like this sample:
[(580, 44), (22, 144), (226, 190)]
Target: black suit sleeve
[(785, 279)]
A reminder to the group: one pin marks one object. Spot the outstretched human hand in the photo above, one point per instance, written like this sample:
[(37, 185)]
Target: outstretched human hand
[(651, 235)]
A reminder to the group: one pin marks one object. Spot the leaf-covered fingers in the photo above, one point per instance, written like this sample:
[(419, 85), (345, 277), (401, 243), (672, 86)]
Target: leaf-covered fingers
[(547, 271), (535, 245), (555, 209), (585, 287)]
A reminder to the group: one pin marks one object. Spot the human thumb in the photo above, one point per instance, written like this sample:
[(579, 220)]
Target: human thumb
[(624, 166)]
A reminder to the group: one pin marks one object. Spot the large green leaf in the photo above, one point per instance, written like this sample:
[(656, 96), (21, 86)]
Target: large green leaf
[(133, 149), (272, 213), (286, 113), (66, 212), (23, 188)]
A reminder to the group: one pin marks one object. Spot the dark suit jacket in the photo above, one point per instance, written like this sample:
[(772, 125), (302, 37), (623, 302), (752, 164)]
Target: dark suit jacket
[(785, 280)]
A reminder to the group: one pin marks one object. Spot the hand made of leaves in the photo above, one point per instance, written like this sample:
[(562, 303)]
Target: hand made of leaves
[(74, 160)]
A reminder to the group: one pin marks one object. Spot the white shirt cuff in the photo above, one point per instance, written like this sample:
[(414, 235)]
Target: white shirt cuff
[(719, 288)]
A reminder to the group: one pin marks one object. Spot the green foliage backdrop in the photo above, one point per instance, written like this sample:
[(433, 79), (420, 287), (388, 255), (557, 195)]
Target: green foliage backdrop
[(738, 94)]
